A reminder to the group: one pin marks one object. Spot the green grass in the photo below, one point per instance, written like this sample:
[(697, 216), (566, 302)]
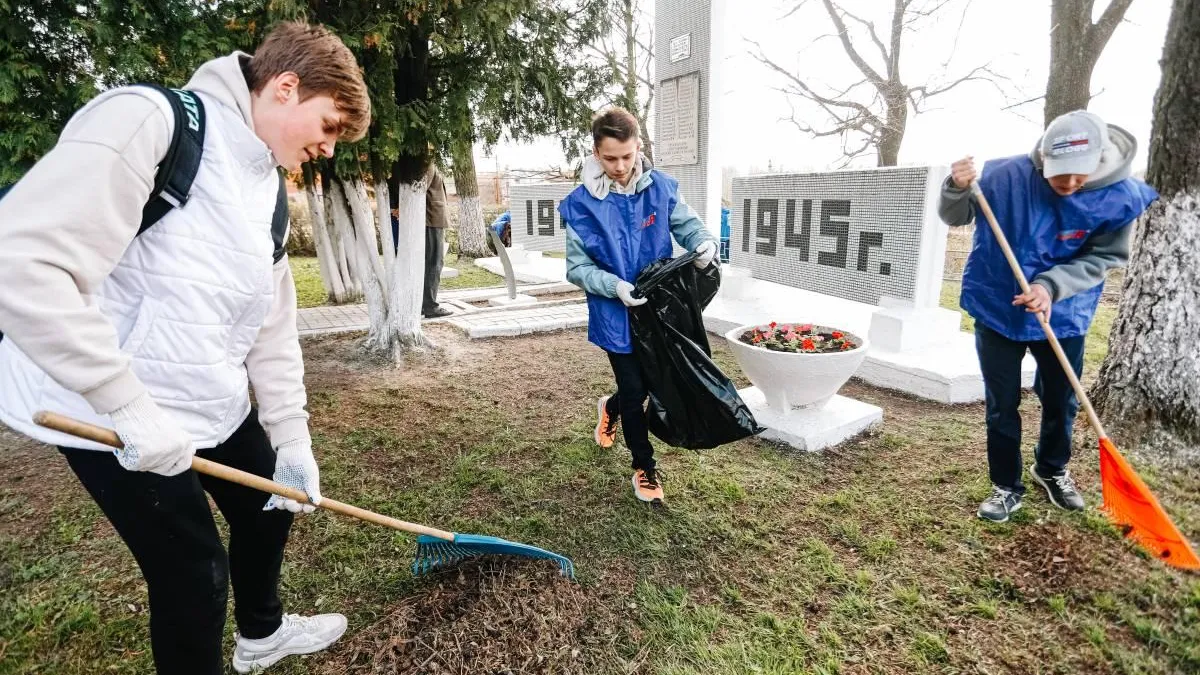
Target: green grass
[(469, 275), (310, 292), (865, 558)]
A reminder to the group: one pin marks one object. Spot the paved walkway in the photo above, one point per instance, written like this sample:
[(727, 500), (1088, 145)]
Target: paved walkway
[(522, 321), (477, 324)]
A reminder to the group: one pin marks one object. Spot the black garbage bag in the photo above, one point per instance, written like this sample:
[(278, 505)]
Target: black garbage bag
[(692, 403)]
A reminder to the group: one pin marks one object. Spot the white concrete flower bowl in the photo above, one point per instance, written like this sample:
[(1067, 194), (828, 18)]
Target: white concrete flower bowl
[(793, 380)]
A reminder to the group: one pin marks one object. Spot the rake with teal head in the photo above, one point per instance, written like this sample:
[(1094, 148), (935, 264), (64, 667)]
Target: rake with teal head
[(436, 548)]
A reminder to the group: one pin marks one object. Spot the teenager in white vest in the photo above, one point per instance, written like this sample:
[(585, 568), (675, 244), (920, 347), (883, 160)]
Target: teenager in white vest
[(160, 335)]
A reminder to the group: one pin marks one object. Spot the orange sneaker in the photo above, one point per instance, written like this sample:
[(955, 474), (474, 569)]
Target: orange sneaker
[(606, 425), (646, 486)]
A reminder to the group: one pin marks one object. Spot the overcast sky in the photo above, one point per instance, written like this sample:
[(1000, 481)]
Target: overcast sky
[(1011, 35)]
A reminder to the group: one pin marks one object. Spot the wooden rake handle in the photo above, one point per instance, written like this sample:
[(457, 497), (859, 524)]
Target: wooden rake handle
[(91, 432), (1041, 316)]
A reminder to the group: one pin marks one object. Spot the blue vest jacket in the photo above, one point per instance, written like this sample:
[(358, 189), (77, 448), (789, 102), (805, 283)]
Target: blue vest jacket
[(1044, 230), (622, 234)]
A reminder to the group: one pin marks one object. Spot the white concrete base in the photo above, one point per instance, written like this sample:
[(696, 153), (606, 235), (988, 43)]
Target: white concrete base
[(523, 321), (944, 370), (505, 301), (809, 429), (898, 327), (529, 267), (946, 373), (449, 272)]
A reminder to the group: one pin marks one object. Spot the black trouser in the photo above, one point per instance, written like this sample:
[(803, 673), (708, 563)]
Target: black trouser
[(169, 528), (435, 238), (628, 404), (1000, 361)]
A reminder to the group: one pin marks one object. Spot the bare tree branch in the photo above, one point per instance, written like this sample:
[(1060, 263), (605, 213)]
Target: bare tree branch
[(954, 47), (802, 87), (797, 8), (874, 37), (878, 113), (844, 36), (918, 14), (1021, 103), (923, 92), (1103, 29)]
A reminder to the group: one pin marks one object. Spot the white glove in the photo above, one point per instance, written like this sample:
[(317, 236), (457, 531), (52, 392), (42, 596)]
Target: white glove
[(706, 253), (296, 468), (153, 441), (625, 293)]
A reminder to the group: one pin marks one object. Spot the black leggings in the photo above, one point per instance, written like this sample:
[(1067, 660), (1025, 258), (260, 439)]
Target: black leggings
[(168, 526), (629, 405)]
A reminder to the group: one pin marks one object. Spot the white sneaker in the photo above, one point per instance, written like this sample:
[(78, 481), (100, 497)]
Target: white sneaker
[(297, 635)]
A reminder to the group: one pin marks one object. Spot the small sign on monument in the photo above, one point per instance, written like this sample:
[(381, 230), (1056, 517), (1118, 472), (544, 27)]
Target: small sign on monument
[(681, 47), (679, 120)]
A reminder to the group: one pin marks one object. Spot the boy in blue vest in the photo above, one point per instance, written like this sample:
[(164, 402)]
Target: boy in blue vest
[(619, 221), (1066, 209)]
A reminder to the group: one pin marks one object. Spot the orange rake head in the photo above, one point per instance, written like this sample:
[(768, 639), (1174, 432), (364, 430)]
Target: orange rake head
[(1130, 504)]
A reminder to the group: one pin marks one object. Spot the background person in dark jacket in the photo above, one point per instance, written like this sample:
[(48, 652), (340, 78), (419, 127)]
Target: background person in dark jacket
[(1066, 209), (435, 241)]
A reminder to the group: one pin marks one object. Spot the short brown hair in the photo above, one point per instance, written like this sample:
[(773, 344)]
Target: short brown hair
[(324, 65), (616, 123)]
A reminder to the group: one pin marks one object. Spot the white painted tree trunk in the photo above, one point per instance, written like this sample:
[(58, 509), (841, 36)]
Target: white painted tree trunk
[(341, 235), (367, 260), (384, 214), (331, 277), (408, 272), (472, 231)]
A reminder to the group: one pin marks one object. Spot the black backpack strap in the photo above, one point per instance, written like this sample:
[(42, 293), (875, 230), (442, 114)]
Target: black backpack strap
[(177, 171), (280, 222)]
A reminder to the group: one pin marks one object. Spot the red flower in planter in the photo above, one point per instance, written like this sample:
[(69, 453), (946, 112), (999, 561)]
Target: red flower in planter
[(797, 338)]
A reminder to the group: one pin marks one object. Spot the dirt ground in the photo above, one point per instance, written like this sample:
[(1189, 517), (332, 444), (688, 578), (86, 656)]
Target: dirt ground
[(865, 558)]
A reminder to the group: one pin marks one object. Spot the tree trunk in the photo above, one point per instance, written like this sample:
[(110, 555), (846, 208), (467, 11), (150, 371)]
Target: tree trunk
[(408, 274), (1146, 391), (331, 278), (384, 214), (362, 221), (1075, 46), (631, 80), (631, 83), (406, 179), (892, 135), (472, 231), (341, 233)]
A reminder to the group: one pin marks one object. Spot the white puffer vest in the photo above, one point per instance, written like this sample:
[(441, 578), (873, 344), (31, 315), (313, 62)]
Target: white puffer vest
[(187, 299)]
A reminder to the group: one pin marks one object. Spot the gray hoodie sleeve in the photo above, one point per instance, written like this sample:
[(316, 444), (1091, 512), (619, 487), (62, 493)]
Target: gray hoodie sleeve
[(64, 227), (583, 271), (955, 207), (1099, 254)]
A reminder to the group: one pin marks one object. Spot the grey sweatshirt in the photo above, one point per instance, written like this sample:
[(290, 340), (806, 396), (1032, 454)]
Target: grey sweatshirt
[(1100, 253)]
